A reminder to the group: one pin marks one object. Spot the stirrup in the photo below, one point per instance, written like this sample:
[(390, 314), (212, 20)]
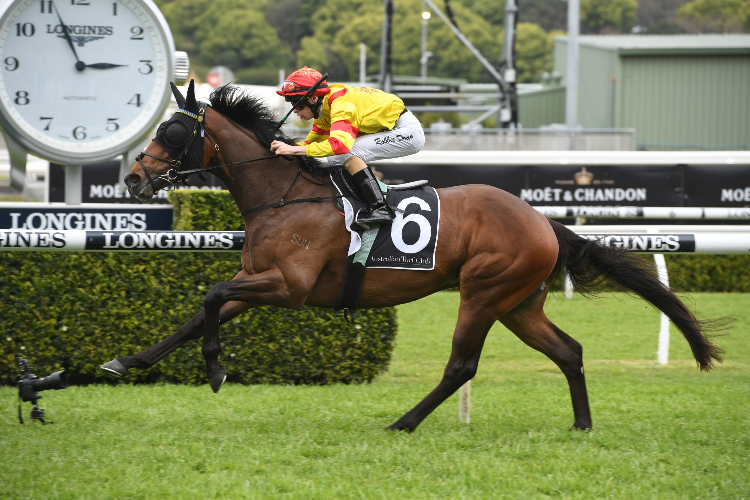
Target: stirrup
[(376, 216)]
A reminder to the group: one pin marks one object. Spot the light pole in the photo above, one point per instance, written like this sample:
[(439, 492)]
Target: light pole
[(425, 53)]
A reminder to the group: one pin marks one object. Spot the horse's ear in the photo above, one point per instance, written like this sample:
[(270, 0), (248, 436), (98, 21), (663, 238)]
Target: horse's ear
[(190, 103), (178, 95)]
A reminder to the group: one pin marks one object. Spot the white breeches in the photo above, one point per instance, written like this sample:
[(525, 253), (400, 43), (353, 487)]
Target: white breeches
[(406, 138)]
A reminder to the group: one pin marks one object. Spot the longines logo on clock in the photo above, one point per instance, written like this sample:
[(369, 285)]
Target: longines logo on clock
[(79, 30)]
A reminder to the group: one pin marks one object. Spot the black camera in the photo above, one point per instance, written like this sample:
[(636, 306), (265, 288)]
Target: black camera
[(29, 387)]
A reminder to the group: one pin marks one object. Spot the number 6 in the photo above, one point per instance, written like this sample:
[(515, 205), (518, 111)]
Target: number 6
[(425, 229)]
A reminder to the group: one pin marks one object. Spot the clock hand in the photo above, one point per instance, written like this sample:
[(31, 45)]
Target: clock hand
[(101, 65), (67, 37)]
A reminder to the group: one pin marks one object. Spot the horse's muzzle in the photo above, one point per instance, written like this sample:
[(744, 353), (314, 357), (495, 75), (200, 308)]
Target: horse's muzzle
[(136, 187), (132, 181)]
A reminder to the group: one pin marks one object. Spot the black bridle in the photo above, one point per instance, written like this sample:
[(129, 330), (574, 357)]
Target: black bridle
[(175, 175)]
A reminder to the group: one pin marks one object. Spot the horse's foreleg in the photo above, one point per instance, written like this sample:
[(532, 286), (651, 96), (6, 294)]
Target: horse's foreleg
[(468, 340), (191, 330), (532, 326), (264, 288)]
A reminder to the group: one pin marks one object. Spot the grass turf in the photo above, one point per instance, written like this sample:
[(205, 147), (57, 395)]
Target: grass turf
[(659, 431)]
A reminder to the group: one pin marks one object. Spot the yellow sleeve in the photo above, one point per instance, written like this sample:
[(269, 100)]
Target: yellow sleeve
[(340, 137)]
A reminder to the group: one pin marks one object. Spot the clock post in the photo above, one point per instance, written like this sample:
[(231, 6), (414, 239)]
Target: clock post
[(73, 184)]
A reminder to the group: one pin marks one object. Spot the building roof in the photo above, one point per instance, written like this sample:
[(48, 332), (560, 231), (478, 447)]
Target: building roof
[(667, 44)]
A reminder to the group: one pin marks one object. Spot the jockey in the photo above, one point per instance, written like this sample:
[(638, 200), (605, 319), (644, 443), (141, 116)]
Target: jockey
[(353, 126)]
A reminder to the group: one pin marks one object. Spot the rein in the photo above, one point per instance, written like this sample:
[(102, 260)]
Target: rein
[(282, 203), (173, 174)]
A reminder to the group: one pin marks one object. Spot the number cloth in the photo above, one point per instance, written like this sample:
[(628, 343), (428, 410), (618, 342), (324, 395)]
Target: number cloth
[(410, 242)]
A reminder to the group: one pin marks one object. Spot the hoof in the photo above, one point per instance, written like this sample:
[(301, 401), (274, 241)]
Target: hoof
[(217, 378), (399, 427), (578, 427), (115, 368)]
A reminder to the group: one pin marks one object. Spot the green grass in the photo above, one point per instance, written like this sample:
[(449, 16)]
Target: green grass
[(659, 431)]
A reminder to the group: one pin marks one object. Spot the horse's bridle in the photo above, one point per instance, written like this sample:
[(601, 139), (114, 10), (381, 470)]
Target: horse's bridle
[(174, 174)]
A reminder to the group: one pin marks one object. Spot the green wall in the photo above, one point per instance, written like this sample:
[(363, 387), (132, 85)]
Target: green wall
[(674, 101), (542, 107), (597, 84), (686, 101)]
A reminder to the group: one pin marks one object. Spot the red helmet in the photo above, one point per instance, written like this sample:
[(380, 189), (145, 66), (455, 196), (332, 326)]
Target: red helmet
[(302, 80)]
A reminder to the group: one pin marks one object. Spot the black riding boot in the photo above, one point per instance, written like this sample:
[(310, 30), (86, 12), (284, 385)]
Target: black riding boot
[(378, 211)]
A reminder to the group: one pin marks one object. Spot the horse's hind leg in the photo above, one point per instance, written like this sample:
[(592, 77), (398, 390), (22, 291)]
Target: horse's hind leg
[(468, 340), (532, 326)]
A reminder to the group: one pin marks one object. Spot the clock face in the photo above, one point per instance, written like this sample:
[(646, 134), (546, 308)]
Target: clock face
[(80, 78)]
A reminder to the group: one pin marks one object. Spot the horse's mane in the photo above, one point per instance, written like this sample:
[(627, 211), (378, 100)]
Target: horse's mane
[(249, 111)]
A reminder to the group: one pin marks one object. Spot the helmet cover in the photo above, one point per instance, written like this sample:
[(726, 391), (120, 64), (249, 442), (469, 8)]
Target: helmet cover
[(302, 80)]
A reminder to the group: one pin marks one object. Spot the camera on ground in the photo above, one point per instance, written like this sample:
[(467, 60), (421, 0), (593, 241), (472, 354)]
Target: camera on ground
[(29, 387)]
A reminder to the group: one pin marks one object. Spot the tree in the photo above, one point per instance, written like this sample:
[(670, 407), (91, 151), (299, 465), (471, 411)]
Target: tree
[(723, 16), (549, 14), (255, 38), (312, 53), (285, 17), (234, 33), (608, 15), (184, 18), (363, 29), (533, 52), (450, 57), (492, 11), (334, 45)]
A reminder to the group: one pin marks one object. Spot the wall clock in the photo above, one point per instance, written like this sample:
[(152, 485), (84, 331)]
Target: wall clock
[(83, 81)]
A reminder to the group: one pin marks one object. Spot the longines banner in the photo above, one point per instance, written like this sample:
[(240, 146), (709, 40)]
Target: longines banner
[(92, 217), (128, 241), (641, 185), (212, 241)]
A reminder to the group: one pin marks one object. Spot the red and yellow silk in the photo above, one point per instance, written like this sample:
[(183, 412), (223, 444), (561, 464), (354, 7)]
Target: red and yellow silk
[(347, 113)]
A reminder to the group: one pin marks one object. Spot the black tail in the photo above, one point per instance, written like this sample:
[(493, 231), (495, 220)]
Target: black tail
[(589, 263)]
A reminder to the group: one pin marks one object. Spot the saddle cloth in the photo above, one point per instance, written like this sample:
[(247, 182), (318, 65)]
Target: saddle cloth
[(409, 242)]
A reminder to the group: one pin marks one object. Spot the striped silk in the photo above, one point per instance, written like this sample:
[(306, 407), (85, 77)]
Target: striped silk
[(350, 112)]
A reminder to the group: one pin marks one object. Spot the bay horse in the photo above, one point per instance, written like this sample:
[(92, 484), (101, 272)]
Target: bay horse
[(500, 252)]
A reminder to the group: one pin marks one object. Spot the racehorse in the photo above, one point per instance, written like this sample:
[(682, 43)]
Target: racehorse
[(500, 252)]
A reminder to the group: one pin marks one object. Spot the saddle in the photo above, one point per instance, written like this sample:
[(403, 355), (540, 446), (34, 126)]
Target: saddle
[(343, 180), (362, 239)]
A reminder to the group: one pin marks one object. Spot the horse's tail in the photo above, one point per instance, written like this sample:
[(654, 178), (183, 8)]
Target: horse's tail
[(589, 262)]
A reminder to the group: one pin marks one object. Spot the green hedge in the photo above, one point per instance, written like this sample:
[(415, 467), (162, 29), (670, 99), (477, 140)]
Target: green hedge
[(204, 210), (78, 310), (709, 273)]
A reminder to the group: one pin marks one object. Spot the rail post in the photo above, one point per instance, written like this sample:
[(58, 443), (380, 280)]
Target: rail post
[(464, 403), (662, 352)]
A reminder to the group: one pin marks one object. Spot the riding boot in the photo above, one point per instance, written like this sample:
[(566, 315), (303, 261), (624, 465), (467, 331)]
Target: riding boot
[(378, 211)]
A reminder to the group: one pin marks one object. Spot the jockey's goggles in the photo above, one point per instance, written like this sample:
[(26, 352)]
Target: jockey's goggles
[(291, 89), (297, 101)]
